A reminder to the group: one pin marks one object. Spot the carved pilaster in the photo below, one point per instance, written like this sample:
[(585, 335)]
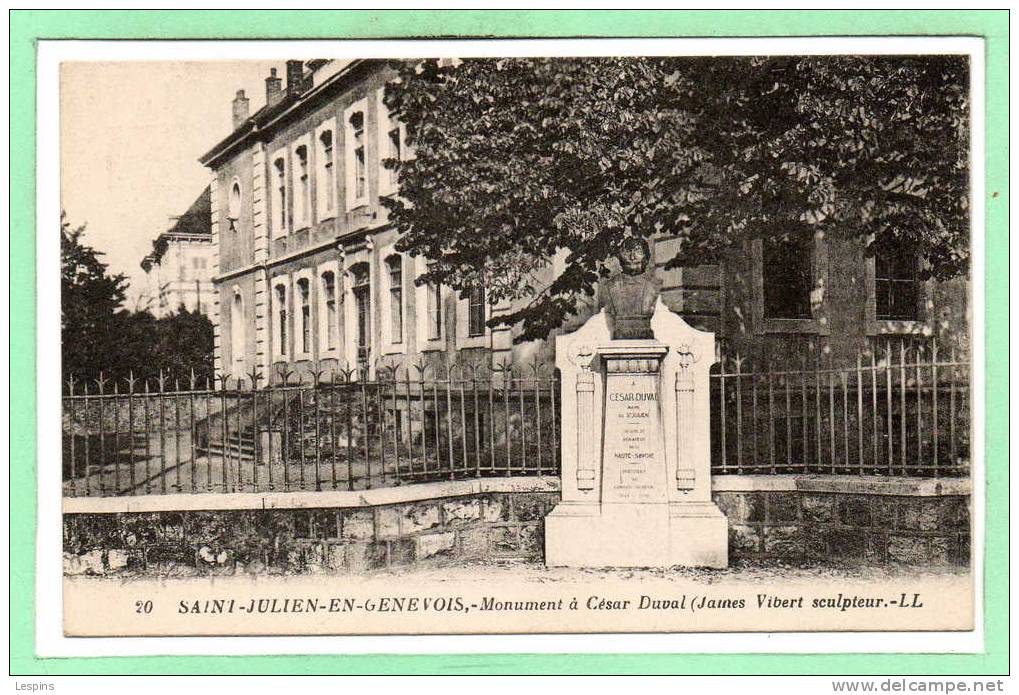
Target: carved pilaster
[(686, 474), (585, 419)]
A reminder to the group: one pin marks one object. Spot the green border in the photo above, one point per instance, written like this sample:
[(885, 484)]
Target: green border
[(27, 27)]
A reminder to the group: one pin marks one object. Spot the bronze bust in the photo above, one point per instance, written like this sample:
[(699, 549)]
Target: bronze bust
[(631, 296)]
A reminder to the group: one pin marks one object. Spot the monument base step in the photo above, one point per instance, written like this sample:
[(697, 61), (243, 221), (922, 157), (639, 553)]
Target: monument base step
[(694, 534)]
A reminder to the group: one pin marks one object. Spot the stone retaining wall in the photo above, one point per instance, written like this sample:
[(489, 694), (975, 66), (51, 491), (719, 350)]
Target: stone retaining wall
[(771, 518), (293, 541), (868, 528)]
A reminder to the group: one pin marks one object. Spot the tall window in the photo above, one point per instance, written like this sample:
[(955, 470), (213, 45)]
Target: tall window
[(394, 266), (393, 140), (390, 136), (302, 203), (787, 279), (897, 285), (234, 205), (355, 175), (434, 299), (281, 320), (237, 333), (362, 307), (357, 130), (303, 296), (328, 182), (279, 198), (329, 312), (476, 312)]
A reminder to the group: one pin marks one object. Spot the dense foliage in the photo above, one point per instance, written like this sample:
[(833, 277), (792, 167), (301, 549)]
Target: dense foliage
[(518, 159), (99, 336)]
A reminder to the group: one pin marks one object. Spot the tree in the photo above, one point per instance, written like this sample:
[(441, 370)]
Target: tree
[(519, 159), (98, 336), (89, 300)]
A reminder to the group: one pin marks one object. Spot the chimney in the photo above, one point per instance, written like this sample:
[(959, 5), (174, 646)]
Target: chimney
[(240, 108), (273, 88), (295, 73)]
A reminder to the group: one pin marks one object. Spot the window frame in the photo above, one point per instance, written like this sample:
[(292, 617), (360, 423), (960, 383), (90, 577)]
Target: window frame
[(325, 194), (238, 333), (425, 341), (234, 205), (472, 306), (301, 184), (303, 325), (324, 324), (921, 326), (818, 323), (278, 217), (388, 184), (280, 330), (353, 200), (391, 260), (351, 317)]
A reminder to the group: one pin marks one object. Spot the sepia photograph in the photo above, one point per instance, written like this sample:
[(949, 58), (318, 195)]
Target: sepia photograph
[(582, 339)]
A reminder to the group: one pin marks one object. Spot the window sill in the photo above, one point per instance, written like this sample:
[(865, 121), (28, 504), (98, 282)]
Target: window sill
[(302, 357), (357, 205), (794, 326), (891, 327), (328, 218), (432, 345), (395, 349), (473, 341)]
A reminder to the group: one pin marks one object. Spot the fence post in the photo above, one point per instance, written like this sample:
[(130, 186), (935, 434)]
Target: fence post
[(101, 383), (934, 400), (73, 468)]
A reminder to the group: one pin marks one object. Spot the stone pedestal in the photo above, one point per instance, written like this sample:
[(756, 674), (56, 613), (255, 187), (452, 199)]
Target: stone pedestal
[(636, 487)]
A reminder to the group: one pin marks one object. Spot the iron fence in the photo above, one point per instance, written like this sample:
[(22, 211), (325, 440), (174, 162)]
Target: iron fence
[(330, 432), (901, 411), (896, 412)]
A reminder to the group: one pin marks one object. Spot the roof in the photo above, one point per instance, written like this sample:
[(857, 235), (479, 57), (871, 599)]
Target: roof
[(267, 116), (194, 224), (197, 220)]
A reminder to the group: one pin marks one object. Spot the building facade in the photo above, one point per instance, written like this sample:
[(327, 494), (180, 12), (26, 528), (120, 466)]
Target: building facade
[(307, 277), (179, 270)]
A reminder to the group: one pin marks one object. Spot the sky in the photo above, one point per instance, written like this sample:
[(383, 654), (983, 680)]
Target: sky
[(131, 134)]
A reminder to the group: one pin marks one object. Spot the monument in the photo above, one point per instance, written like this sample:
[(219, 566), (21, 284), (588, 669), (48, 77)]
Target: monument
[(636, 474)]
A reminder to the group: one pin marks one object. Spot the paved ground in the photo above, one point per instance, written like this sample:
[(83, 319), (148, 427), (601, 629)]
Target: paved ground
[(498, 570)]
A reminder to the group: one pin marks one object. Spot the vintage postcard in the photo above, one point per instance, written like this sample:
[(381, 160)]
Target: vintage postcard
[(557, 337)]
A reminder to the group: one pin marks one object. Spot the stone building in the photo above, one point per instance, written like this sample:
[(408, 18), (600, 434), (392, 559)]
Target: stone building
[(179, 270), (307, 276)]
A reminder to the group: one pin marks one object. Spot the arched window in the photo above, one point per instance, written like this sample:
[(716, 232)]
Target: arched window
[(237, 332), (357, 135), (361, 289), (328, 183), (234, 204), (433, 300), (279, 195), (304, 316), (329, 329), (355, 154), (281, 320), (394, 267), (302, 184)]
